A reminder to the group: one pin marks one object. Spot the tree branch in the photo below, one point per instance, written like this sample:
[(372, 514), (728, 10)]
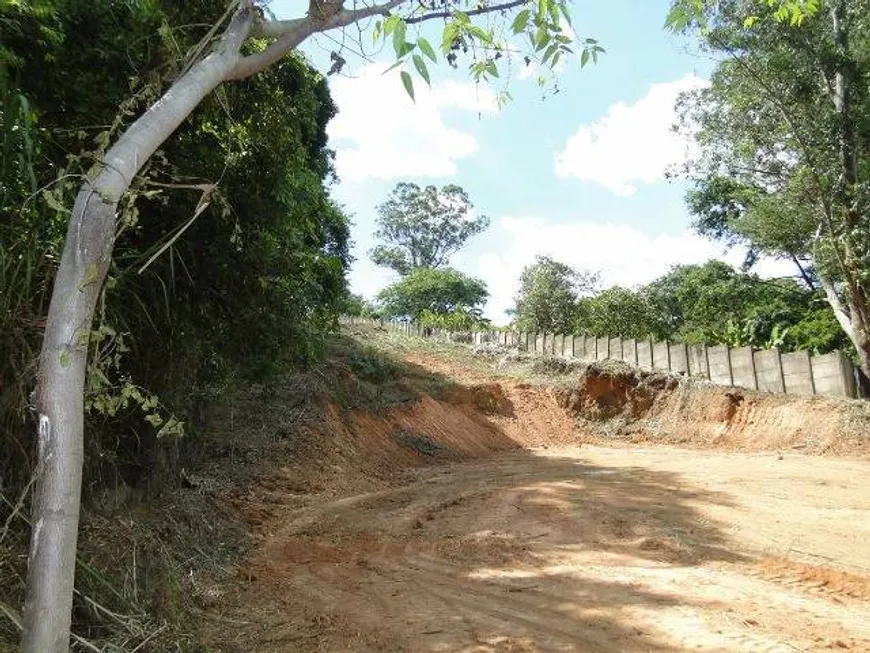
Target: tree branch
[(290, 33), (473, 12)]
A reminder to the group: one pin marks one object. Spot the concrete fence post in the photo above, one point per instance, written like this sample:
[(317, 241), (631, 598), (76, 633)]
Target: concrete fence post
[(707, 361), (730, 367)]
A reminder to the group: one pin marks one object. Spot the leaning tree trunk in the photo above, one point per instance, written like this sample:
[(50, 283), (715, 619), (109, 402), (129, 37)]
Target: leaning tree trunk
[(63, 360), (83, 266)]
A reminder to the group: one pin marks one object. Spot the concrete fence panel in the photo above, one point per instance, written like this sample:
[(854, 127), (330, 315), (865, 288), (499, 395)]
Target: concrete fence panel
[(629, 351), (743, 367), (645, 354), (797, 373), (614, 348), (539, 343), (698, 361), (559, 344), (661, 356), (590, 348), (602, 349), (768, 371), (568, 346), (679, 358), (833, 374), (719, 364)]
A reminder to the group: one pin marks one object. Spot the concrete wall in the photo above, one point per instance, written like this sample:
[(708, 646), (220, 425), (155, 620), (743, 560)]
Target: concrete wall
[(833, 375), (698, 361), (768, 371), (629, 351), (602, 349), (764, 370), (797, 372), (661, 354), (743, 367), (645, 354), (679, 358), (615, 345)]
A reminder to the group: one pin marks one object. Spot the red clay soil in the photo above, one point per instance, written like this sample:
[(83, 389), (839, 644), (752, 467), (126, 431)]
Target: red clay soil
[(644, 406), (486, 522)]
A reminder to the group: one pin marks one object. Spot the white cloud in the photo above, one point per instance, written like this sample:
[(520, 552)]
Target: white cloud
[(631, 143), (381, 133), (623, 255)]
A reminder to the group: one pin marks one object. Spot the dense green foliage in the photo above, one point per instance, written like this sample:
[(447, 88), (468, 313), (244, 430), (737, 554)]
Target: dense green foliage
[(433, 292), (424, 227), (784, 164), (547, 298), (245, 251), (710, 303)]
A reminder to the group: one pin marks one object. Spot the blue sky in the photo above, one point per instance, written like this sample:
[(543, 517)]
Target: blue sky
[(578, 175)]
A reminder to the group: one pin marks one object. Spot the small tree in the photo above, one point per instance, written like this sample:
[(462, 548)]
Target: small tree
[(548, 294), (433, 292), (424, 227)]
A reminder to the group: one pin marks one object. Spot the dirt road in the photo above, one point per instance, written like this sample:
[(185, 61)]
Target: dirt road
[(572, 549)]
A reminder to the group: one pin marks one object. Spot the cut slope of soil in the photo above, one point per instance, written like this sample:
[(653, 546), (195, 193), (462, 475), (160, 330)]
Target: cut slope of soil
[(618, 401), (485, 521)]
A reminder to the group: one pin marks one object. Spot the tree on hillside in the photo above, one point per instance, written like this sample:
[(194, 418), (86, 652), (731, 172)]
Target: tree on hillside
[(242, 42), (784, 160), (547, 298), (440, 292), (424, 227)]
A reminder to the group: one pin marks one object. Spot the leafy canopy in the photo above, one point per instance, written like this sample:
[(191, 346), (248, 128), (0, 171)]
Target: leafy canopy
[(440, 292), (547, 298), (424, 227)]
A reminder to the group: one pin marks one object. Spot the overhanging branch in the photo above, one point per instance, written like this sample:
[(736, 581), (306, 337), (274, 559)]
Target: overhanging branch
[(474, 12), (290, 33)]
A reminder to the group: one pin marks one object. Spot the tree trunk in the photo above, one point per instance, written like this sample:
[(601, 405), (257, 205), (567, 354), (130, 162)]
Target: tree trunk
[(83, 266), (63, 360)]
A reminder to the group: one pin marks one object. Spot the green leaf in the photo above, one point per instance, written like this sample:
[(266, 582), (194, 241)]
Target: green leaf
[(420, 65), (542, 37), (567, 14), (394, 66), (391, 23), (550, 52), (553, 8), (584, 58), (451, 31), (521, 21), (408, 83), (406, 48), (426, 48), (750, 21), (399, 37), (492, 69)]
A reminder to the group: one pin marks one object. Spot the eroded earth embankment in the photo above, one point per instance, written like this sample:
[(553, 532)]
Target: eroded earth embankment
[(507, 516)]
